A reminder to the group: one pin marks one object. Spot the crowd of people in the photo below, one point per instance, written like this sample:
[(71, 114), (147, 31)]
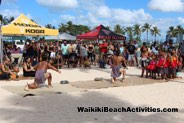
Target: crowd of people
[(163, 60)]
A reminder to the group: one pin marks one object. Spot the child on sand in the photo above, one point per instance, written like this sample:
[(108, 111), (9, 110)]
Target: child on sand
[(86, 62), (152, 67)]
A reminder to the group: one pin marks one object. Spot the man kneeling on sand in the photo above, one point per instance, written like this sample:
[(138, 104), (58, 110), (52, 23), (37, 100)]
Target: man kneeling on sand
[(41, 75), (118, 65)]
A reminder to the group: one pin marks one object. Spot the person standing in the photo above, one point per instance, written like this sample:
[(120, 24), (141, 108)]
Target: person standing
[(78, 50), (97, 53), (91, 52), (103, 49), (132, 50), (64, 50)]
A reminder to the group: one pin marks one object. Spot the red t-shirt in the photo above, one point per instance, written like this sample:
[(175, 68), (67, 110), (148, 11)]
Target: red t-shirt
[(103, 47), (161, 62)]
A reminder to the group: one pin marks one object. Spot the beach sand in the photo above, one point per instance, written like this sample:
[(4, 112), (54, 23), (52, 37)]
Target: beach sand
[(62, 108)]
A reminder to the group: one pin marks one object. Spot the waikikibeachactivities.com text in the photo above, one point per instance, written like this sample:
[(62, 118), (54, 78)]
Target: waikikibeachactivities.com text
[(125, 109)]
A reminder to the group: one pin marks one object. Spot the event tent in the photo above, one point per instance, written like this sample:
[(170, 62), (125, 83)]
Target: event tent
[(62, 36), (100, 33), (24, 26)]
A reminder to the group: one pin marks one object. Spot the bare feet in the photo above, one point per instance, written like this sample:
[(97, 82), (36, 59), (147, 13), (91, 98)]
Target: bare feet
[(50, 86), (122, 79), (112, 80), (26, 88)]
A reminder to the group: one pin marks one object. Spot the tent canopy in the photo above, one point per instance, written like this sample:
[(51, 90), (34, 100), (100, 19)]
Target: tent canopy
[(62, 36), (24, 26), (101, 33)]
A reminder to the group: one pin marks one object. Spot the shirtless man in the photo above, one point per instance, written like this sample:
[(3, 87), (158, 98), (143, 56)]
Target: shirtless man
[(41, 75), (144, 58), (117, 62)]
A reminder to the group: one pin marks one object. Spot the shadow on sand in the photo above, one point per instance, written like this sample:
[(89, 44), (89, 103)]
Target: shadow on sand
[(62, 108)]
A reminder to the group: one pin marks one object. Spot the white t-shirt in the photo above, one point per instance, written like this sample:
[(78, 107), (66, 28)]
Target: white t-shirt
[(52, 54)]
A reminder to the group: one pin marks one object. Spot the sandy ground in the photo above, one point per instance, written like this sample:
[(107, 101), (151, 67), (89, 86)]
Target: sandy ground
[(62, 108)]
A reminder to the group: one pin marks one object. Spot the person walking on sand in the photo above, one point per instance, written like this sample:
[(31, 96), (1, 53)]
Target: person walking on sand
[(41, 75), (118, 65)]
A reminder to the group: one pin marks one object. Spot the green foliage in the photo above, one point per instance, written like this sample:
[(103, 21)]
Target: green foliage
[(73, 29), (50, 26), (154, 32), (6, 20)]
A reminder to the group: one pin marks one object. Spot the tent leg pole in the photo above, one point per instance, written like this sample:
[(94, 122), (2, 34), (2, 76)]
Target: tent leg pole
[(58, 51)]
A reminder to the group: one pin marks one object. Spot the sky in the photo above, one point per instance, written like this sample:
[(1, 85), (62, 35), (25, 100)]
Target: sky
[(160, 13)]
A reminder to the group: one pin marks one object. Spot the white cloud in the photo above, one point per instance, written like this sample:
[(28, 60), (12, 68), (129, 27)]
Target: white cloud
[(8, 12), (103, 12), (67, 18), (123, 16), (181, 20), (58, 4), (167, 5)]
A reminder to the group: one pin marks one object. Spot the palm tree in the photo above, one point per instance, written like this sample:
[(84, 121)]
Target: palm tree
[(5, 20), (118, 29), (10, 19), (62, 28), (146, 27), (123, 30), (137, 31), (179, 29), (155, 31), (50, 26), (70, 27), (172, 31), (80, 29), (129, 32)]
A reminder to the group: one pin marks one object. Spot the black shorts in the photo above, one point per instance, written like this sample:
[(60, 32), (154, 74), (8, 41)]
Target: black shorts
[(65, 56), (172, 71), (144, 63)]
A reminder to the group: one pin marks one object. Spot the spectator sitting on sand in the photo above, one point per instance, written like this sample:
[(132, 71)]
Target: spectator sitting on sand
[(86, 62), (28, 70), (5, 71)]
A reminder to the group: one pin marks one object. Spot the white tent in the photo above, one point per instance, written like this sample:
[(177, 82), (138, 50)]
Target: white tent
[(62, 36)]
